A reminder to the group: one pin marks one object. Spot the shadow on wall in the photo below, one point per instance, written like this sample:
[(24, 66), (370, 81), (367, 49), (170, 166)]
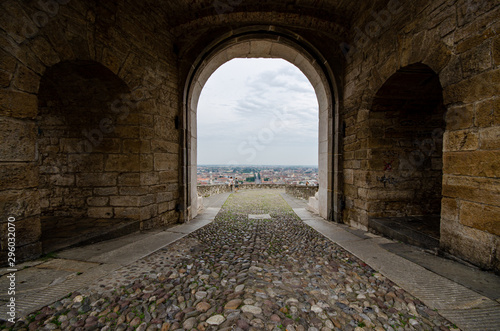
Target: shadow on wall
[(406, 143), (80, 140)]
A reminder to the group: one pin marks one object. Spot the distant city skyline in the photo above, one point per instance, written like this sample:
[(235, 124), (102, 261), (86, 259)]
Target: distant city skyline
[(255, 165), (291, 175), (258, 112)]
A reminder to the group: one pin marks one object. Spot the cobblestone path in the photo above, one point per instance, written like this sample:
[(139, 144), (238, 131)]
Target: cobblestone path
[(243, 274)]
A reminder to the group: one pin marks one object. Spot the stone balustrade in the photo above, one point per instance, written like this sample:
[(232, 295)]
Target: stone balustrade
[(208, 190), (301, 191), (298, 191)]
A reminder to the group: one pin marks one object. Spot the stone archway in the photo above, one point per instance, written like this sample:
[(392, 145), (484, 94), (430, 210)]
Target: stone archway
[(268, 44), (406, 156)]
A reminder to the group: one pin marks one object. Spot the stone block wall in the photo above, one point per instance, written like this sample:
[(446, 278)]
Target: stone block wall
[(139, 169), (84, 150), (250, 186), (208, 190), (300, 191), (459, 41), (133, 172), (406, 146)]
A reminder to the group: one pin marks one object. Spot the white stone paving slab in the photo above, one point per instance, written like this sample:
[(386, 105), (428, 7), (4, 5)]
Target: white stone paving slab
[(259, 216)]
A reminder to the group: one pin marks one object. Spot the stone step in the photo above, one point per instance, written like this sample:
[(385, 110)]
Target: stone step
[(64, 232), (418, 231)]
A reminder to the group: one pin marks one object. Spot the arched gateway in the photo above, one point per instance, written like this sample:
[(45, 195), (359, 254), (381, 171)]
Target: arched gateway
[(266, 42), (162, 53)]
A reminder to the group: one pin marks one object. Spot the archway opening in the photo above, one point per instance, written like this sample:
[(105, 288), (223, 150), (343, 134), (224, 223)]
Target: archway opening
[(258, 112), (88, 155), (265, 46), (258, 127), (406, 156)]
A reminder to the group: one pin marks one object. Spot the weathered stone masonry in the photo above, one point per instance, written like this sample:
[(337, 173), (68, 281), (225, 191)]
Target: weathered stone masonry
[(87, 111), (93, 109), (458, 41)]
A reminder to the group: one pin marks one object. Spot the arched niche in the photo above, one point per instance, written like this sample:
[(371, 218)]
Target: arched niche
[(406, 155), (87, 158)]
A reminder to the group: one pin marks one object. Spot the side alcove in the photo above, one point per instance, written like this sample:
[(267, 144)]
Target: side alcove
[(406, 156), (84, 162)]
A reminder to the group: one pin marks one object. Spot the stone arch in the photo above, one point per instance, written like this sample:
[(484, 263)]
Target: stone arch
[(406, 127), (425, 48), (89, 156), (268, 43), (335, 26)]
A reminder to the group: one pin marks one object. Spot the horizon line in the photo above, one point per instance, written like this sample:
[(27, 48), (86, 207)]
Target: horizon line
[(258, 165)]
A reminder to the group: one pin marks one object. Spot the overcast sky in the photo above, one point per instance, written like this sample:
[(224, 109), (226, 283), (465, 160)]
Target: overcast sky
[(258, 112)]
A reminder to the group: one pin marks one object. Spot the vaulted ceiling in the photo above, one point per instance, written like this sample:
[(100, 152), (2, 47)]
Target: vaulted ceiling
[(178, 12)]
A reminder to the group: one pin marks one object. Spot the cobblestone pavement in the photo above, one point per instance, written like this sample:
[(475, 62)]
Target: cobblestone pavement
[(243, 274)]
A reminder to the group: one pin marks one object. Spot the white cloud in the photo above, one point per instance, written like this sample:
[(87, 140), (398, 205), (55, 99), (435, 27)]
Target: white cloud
[(243, 107)]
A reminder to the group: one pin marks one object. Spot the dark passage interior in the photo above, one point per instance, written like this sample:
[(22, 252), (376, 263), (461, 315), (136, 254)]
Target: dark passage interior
[(406, 144)]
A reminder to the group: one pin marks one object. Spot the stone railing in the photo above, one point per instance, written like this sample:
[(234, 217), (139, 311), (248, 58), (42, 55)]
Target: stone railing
[(298, 191), (208, 190), (301, 191), (251, 186)]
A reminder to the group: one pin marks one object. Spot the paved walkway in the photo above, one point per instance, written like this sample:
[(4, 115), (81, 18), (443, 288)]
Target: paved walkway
[(215, 201), (41, 282), (260, 266)]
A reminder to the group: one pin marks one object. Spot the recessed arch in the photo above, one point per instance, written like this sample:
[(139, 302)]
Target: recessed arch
[(406, 156), (266, 43), (87, 154)]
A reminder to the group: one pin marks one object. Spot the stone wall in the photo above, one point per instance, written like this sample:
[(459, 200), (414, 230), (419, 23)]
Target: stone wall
[(406, 145), (208, 190), (141, 54), (250, 186), (298, 191), (459, 42), (47, 109), (301, 191), (79, 176)]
